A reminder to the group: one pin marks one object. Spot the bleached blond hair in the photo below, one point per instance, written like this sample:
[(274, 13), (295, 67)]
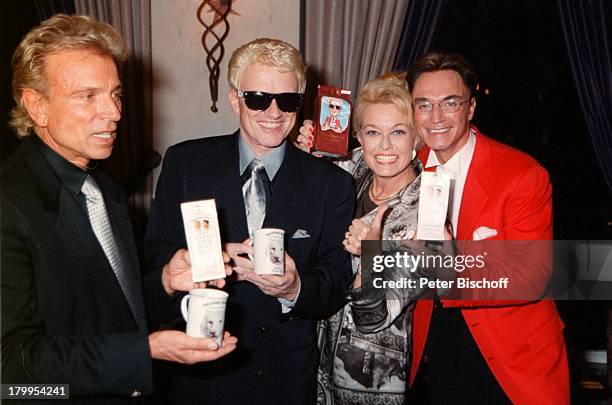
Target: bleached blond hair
[(59, 33), (267, 51)]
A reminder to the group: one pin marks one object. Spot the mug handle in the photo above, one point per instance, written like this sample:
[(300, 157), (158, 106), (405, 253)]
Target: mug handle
[(184, 310), (251, 242)]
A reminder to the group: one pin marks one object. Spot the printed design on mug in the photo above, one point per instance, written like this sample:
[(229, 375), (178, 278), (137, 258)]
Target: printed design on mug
[(269, 251), (276, 253), (204, 312), (335, 114), (212, 327)]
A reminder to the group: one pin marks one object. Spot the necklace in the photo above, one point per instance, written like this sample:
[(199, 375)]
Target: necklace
[(382, 197)]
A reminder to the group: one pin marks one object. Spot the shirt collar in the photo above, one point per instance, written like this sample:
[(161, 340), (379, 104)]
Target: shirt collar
[(70, 175), (272, 160), (458, 160)]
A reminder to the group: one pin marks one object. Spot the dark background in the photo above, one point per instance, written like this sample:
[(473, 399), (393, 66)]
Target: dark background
[(517, 48), (17, 17)]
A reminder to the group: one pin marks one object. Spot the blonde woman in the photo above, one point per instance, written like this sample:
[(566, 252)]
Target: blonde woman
[(355, 367)]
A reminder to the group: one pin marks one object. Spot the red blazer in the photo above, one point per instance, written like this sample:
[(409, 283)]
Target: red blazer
[(523, 344)]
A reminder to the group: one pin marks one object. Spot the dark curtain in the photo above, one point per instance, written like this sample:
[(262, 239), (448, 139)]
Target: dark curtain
[(587, 29), (422, 22), (133, 157), (47, 8)]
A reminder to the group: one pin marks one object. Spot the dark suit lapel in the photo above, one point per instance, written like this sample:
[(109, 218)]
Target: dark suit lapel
[(288, 195), (122, 230), (44, 177), (74, 226), (282, 211), (475, 194), (228, 193), (62, 209), (71, 223)]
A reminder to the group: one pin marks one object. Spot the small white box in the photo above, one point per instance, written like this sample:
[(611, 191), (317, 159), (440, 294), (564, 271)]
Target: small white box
[(433, 206), (203, 240)]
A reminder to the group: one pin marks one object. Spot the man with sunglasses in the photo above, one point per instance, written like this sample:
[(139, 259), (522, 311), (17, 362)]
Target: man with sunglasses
[(311, 200), (333, 119), (484, 351)]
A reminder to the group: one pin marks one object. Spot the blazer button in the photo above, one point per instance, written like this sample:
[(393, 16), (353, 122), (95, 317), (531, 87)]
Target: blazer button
[(259, 374), (263, 330)]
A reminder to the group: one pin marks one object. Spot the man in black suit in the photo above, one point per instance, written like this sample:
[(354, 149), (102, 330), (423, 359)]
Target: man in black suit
[(311, 200), (72, 299)]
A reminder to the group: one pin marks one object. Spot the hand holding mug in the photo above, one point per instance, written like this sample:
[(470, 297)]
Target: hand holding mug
[(204, 311)]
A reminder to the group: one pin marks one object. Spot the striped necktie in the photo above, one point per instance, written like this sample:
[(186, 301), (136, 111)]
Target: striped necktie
[(98, 217), (254, 192)]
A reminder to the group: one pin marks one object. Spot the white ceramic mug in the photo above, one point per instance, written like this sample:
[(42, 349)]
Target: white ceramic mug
[(204, 311), (269, 251)]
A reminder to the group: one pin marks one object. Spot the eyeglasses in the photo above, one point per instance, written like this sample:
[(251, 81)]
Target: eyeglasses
[(335, 107), (260, 101), (447, 106)]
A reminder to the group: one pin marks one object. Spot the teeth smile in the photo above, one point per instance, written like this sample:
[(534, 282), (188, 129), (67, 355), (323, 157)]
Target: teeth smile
[(103, 135), (271, 125), (439, 131), (386, 158)]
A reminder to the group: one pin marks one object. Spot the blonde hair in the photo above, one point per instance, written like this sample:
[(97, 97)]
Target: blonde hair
[(59, 33), (271, 52), (389, 88)]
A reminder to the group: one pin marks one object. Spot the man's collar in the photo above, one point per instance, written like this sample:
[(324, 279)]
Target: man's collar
[(454, 162), (272, 160), (71, 175)]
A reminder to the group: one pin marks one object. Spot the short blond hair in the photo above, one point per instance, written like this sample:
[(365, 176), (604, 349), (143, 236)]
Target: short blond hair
[(267, 51), (59, 33), (389, 88)]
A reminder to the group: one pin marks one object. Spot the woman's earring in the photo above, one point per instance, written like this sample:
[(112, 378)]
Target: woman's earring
[(413, 154)]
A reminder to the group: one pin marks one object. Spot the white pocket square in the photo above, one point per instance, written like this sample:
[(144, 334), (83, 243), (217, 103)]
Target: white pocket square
[(300, 234), (484, 233)]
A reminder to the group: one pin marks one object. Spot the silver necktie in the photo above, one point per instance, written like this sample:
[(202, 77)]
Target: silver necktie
[(254, 192), (98, 217)]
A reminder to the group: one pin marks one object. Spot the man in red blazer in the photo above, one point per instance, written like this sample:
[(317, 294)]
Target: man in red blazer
[(491, 351)]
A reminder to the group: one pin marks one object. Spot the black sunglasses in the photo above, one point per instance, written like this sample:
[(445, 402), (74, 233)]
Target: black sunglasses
[(335, 107), (260, 101)]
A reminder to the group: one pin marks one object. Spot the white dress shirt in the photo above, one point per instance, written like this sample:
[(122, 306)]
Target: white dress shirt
[(457, 166)]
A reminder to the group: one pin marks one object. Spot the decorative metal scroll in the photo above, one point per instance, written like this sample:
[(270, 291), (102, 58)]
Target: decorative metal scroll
[(213, 33)]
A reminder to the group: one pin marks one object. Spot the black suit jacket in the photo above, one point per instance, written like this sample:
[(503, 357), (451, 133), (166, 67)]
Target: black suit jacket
[(65, 318), (275, 361)]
